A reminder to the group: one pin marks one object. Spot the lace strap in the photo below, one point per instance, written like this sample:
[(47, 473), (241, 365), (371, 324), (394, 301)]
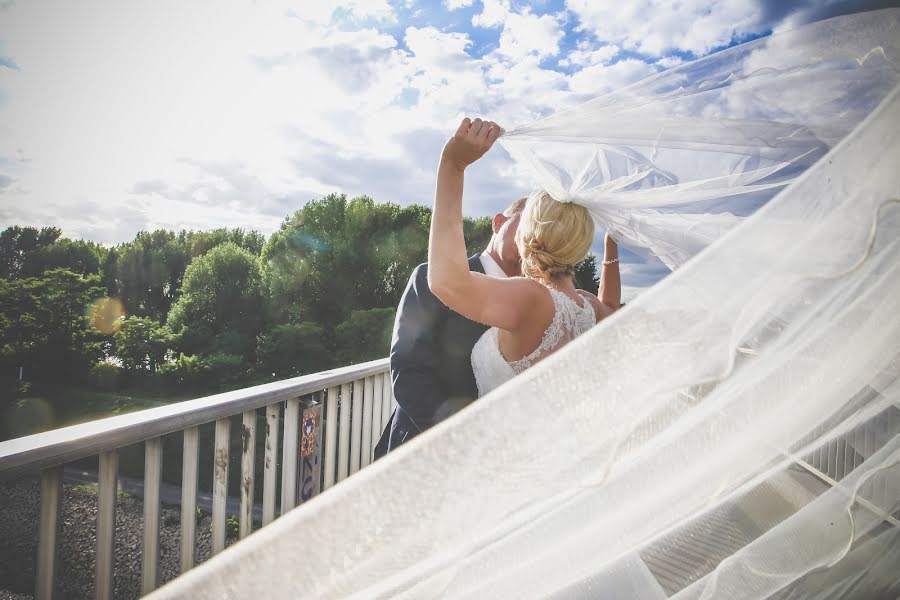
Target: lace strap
[(551, 337)]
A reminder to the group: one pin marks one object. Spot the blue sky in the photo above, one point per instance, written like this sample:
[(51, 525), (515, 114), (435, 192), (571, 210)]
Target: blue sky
[(118, 118)]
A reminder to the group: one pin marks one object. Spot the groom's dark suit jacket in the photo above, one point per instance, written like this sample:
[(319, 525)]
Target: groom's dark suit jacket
[(431, 364)]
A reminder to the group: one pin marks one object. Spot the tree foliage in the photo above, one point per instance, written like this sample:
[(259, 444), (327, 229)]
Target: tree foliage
[(199, 310), (17, 244), (44, 323), (220, 308), (366, 335), (290, 349), (586, 277), (141, 344)]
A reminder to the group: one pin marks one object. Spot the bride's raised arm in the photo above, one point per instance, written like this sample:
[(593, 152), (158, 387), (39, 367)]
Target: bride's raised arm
[(610, 292), (502, 303)]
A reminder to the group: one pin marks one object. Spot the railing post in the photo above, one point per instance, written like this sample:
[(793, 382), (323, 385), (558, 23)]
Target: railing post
[(289, 454), (356, 417), (270, 473), (248, 458), (106, 522), (331, 422), (152, 480), (387, 404), (51, 493), (220, 484), (377, 425), (189, 497), (368, 405), (344, 433)]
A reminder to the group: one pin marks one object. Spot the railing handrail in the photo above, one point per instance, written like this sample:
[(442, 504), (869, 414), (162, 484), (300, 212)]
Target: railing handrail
[(58, 446)]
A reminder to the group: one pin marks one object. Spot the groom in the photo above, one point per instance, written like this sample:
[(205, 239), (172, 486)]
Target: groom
[(431, 350)]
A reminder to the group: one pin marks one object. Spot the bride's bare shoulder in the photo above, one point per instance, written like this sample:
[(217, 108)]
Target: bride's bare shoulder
[(601, 311)]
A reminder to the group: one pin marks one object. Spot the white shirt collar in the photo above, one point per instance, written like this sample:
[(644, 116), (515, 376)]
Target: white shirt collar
[(490, 266)]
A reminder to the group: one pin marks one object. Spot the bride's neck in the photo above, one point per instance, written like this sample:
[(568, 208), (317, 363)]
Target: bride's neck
[(562, 283)]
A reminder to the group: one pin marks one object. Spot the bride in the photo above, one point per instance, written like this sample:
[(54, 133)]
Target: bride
[(531, 316)]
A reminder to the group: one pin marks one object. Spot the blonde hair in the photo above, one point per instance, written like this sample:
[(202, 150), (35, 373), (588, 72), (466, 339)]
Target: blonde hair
[(553, 236)]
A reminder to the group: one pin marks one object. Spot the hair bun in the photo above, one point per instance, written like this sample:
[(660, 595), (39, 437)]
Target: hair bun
[(553, 237)]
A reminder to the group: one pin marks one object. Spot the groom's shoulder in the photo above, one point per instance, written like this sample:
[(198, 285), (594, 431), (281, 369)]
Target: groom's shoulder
[(419, 275)]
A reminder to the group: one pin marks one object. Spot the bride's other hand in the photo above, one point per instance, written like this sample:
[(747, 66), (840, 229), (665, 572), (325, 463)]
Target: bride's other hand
[(470, 142)]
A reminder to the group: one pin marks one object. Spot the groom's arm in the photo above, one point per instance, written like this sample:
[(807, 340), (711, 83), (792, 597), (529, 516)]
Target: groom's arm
[(415, 357)]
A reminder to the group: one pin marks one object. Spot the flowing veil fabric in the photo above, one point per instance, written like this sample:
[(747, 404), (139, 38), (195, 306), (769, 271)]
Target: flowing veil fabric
[(672, 162), (732, 433)]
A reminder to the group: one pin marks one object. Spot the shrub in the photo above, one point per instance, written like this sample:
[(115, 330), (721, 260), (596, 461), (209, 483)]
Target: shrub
[(105, 376)]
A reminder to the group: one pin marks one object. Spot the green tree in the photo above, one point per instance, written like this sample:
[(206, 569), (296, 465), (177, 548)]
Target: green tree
[(477, 233), (146, 274), (288, 350), (220, 308), (45, 325), (198, 243), (142, 344), (17, 244), (586, 277), (78, 256), (334, 256), (366, 335)]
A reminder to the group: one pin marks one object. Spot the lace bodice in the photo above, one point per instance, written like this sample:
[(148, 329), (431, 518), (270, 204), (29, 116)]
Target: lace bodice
[(569, 321)]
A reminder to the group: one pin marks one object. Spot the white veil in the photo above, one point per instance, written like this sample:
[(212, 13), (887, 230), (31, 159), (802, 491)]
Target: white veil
[(734, 432), (673, 161)]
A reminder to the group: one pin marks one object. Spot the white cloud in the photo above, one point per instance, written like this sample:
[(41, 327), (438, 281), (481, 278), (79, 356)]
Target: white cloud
[(117, 107), (599, 79), (321, 13), (586, 55), (655, 26), (455, 4), (527, 34), (493, 13), (668, 62)]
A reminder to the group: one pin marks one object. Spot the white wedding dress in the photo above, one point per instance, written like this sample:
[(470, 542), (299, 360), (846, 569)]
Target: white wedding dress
[(569, 321)]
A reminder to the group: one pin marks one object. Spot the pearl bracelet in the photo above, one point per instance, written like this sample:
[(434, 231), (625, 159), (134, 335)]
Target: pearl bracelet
[(606, 263)]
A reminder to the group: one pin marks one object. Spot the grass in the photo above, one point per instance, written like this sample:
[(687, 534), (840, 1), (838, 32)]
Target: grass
[(50, 406)]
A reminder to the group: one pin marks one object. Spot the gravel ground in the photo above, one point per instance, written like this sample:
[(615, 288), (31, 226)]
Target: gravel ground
[(19, 509)]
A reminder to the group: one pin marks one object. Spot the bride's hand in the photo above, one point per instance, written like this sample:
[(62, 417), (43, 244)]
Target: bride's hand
[(471, 140)]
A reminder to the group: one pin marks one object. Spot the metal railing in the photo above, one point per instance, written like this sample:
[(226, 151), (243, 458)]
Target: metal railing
[(353, 403)]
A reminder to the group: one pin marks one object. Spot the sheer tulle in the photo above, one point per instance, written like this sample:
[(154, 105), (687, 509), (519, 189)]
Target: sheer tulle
[(734, 432), (674, 161)]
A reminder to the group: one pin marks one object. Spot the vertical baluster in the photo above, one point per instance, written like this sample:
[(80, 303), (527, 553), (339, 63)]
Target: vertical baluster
[(152, 481), (220, 484), (377, 424), (356, 417), (344, 433), (393, 397), (106, 522), (848, 453), (289, 455), (822, 453), (885, 489), (386, 408), (829, 459), (51, 492), (270, 473), (331, 421), (189, 497), (368, 410), (248, 458)]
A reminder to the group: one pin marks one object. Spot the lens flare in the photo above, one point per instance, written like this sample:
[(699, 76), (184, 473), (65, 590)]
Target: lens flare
[(106, 315)]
